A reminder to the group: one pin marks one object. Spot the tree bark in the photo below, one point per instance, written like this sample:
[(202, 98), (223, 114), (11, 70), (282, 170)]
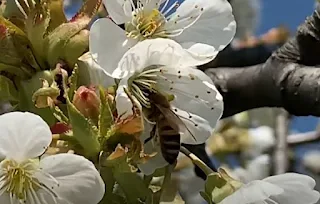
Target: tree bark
[(290, 78)]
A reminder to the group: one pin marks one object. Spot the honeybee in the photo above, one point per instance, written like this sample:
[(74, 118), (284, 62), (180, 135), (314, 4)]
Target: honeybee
[(168, 126)]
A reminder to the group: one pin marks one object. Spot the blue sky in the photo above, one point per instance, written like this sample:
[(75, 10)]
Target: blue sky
[(289, 12)]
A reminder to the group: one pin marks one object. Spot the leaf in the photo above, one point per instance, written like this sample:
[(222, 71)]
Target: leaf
[(106, 117), (206, 197), (15, 48), (76, 46), (12, 9), (57, 10), (14, 70), (109, 180), (133, 187), (27, 88), (88, 9), (218, 186), (118, 161), (59, 115), (36, 27), (8, 92), (73, 82), (84, 131), (57, 40)]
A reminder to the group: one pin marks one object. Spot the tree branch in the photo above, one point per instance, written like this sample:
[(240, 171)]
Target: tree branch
[(290, 78)]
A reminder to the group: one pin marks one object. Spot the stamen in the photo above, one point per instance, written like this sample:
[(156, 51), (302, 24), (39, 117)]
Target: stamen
[(170, 8), (19, 182), (144, 24), (164, 6)]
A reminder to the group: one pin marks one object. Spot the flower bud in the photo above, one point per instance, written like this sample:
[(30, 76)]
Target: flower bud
[(87, 102), (47, 95)]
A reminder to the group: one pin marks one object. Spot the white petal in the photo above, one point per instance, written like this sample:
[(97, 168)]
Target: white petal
[(196, 101), (35, 195), (149, 5), (123, 103), (157, 161), (107, 44), (155, 52), (253, 192), (215, 26), (203, 52), (291, 179), (23, 136), (298, 189), (116, 9), (79, 181), (90, 73)]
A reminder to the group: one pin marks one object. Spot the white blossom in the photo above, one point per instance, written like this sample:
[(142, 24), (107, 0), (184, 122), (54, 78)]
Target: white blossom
[(202, 27), (163, 65), (289, 188), (27, 178)]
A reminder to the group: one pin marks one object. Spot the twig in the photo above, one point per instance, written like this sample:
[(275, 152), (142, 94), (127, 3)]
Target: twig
[(280, 152), (196, 161), (297, 139)]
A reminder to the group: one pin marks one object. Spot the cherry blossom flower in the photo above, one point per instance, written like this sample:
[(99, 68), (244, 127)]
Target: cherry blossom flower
[(202, 27), (164, 65), (26, 177), (289, 188)]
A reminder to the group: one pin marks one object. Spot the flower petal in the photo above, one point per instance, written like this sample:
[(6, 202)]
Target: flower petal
[(203, 52), (212, 23), (90, 73), (154, 52), (23, 136), (123, 103), (118, 10), (107, 44), (253, 192), (298, 188), (196, 101), (150, 147), (79, 181)]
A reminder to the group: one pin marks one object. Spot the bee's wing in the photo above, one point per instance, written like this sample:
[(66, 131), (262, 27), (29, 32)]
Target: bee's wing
[(176, 123)]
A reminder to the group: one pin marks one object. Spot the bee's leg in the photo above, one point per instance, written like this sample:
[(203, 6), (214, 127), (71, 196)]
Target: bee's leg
[(200, 151)]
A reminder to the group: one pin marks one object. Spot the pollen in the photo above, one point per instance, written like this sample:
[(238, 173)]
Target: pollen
[(145, 25), (18, 178)]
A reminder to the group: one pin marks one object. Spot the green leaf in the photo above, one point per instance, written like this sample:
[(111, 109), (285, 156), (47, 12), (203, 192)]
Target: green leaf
[(57, 40), (8, 92), (88, 9), (27, 88), (133, 187), (15, 48), (106, 117), (84, 131), (12, 9), (36, 27), (218, 187), (56, 9), (206, 197), (73, 82), (59, 115), (15, 71)]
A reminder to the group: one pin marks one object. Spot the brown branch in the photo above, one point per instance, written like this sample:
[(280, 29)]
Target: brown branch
[(290, 78)]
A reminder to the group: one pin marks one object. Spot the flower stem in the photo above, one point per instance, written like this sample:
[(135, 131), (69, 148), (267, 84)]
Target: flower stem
[(196, 161), (147, 180), (166, 182)]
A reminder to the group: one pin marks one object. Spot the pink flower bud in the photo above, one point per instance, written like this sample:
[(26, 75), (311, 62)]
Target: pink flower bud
[(87, 102)]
